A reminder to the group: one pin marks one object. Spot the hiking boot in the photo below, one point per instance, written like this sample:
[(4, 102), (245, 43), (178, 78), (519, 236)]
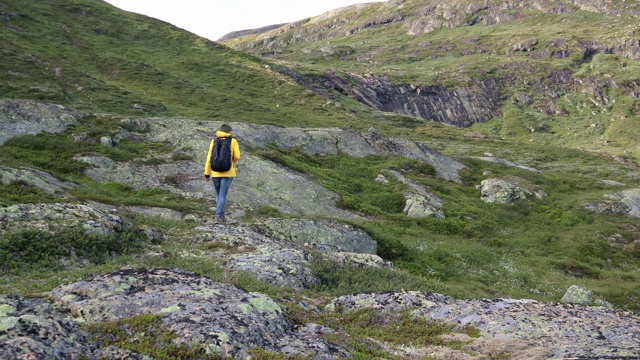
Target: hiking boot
[(220, 220)]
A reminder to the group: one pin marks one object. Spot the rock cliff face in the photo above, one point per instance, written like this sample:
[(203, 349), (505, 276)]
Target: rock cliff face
[(460, 107)]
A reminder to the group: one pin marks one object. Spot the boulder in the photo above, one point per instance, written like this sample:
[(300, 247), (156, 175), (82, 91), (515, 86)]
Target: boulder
[(626, 202), (508, 190), (29, 117), (577, 295), (419, 203), (418, 206), (630, 198)]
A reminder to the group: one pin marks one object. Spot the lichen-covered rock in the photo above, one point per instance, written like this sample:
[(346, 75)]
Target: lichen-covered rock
[(419, 206), (309, 232), (358, 259), (162, 213), (507, 191), (324, 141), (34, 177), (576, 294), (626, 202), (28, 117), (607, 207), (278, 260), (568, 331), (630, 198), (259, 182), (419, 203), (50, 217), (36, 329), (217, 317)]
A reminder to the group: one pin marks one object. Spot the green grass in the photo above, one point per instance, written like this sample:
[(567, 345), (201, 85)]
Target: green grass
[(144, 334), (19, 192), (532, 249), (92, 56), (352, 178)]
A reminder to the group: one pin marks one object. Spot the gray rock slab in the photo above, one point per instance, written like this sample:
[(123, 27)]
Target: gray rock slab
[(34, 177), (506, 162), (316, 231), (28, 117), (569, 331), (218, 317), (50, 217), (36, 329)]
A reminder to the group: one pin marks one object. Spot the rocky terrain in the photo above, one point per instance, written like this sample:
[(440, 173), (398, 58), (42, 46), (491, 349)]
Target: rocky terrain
[(221, 319)]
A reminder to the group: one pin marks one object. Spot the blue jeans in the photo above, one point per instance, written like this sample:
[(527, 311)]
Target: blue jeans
[(222, 185)]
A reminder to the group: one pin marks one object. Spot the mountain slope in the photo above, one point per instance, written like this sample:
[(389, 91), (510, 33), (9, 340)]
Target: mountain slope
[(349, 232), (558, 72), (93, 56)]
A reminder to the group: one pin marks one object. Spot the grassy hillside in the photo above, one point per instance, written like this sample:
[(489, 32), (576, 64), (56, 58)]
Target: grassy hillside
[(573, 81), (91, 56)]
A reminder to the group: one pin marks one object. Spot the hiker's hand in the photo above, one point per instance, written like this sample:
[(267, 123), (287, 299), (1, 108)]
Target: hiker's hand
[(206, 177)]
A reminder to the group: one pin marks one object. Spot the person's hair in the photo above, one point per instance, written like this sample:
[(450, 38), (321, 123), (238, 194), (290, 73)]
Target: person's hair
[(225, 127)]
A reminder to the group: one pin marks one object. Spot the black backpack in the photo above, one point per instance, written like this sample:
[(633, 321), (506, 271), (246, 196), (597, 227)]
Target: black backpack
[(221, 154)]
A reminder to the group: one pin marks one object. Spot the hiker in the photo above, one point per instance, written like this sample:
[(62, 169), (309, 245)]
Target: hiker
[(222, 178)]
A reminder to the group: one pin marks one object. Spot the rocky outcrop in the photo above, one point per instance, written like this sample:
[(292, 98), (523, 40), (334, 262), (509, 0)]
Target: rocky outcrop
[(52, 217), (259, 181), (506, 162), (461, 107), (565, 331), (279, 251), (319, 233), (630, 198), (228, 321), (240, 33), (333, 141), (34, 177), (22, 117), (36, 329), (508, 190), (626, 202), (419, 203), (217, 317)]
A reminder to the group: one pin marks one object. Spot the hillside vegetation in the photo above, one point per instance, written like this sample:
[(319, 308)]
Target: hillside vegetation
[(149, 96), (567, 71)]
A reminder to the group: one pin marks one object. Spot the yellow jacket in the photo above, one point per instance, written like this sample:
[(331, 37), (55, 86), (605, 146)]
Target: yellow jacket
[(235, 156)]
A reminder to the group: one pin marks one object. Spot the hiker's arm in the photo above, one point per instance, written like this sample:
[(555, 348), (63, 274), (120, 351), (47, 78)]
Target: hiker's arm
[(207, 164), (235, 151)]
